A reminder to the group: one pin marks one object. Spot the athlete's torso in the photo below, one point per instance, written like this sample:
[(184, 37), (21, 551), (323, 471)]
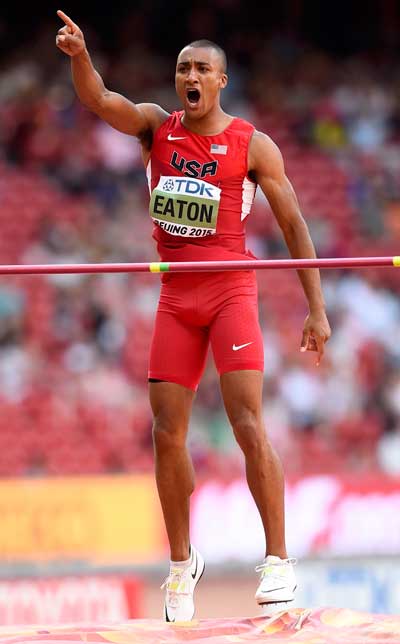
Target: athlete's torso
[(200, 191)]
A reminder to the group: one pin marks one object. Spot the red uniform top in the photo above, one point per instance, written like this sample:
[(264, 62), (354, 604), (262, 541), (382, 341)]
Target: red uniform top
[(200, 191)]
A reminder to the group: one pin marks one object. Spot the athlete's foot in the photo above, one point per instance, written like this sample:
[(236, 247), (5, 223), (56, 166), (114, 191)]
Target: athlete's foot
[(179, 588), (277, 584)]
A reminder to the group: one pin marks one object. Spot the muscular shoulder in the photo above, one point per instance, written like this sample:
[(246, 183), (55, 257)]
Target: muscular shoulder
[(154, 117), (265, 158)]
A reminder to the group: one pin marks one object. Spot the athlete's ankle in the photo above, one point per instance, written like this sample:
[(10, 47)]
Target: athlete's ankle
[(277, 552), (181, 557)]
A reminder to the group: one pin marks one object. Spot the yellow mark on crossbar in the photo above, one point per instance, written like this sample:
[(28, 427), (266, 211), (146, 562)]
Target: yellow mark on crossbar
[(155, 267), (396, 260)]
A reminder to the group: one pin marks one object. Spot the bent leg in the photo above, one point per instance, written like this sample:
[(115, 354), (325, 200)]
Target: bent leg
[(171, 405), (242, 395)]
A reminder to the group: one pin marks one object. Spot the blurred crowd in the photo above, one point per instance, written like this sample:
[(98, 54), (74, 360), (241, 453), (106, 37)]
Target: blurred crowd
[(73, 348)]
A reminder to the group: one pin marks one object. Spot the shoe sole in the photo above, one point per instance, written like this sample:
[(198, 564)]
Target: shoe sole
[(272, 609)]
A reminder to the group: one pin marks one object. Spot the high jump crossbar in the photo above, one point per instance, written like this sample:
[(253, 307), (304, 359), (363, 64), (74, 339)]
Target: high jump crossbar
[(195, 267)]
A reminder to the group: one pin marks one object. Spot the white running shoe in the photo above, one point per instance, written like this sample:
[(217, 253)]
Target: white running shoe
[(180, 585), (277, 582)]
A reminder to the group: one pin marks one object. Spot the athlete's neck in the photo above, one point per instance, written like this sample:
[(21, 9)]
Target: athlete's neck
[(210, 124)]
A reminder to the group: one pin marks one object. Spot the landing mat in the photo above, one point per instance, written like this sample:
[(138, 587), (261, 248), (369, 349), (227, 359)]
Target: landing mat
[(299, 625)]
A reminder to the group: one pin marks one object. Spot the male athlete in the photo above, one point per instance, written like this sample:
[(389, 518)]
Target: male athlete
[(203, 166)]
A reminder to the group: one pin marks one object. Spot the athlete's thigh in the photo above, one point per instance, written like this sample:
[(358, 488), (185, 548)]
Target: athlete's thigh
[(236, 337), (178, 350)]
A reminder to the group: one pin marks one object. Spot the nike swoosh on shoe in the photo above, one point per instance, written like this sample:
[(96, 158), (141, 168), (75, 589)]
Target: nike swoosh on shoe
[(272, 590), (195, 571)]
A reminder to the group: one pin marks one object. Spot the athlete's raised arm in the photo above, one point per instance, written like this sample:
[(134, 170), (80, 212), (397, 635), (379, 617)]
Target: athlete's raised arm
[(267, 167), (112, 107)]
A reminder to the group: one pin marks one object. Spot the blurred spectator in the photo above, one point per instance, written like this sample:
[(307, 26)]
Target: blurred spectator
[(74, 347)]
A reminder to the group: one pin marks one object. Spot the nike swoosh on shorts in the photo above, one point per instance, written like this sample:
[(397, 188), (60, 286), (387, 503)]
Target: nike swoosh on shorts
[(240, 346)]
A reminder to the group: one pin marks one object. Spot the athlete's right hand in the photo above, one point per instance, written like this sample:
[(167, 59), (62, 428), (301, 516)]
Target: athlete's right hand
[(69, 38)]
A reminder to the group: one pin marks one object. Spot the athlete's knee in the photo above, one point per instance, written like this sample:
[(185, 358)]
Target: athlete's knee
[(249, 431), (168, 431)]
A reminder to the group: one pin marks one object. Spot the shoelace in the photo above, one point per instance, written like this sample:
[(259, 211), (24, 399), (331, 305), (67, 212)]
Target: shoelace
[(176, 584), (267, 567)]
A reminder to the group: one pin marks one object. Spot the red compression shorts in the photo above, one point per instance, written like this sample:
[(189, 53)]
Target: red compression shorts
[(196, 310)]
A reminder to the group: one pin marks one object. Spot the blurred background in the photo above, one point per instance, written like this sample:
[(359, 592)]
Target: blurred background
[(81, 535)]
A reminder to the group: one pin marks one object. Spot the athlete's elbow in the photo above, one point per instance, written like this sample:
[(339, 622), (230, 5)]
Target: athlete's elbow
[(95, 102), (294, 228), (291, 226), (89, 102)]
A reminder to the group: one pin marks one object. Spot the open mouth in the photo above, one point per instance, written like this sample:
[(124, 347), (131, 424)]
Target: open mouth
[(193, 96)]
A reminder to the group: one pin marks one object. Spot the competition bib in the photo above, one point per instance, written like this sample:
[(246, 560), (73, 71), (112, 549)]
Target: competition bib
[(185, 207)]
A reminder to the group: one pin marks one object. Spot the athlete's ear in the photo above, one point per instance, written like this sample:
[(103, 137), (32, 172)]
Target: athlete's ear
[(223, 81)]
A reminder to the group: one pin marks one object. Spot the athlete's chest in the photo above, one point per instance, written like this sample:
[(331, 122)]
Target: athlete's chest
[(212, 159)]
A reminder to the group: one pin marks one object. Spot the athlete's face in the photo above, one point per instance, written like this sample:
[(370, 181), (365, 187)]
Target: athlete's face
[(199, 78)]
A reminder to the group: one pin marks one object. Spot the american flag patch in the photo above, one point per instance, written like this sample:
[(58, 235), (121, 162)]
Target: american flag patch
[(218, 149)]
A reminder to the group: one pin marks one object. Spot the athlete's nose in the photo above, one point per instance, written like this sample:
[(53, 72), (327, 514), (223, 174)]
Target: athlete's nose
[(192, 74)]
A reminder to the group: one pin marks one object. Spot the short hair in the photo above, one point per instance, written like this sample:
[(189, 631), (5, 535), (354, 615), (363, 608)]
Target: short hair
[(211, 45)]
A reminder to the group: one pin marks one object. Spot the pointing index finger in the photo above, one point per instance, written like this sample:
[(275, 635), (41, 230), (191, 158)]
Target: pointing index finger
[(66, 19), (320, 348)]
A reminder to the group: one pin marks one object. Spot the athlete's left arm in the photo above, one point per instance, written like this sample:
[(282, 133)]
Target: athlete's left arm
[(267, 167)]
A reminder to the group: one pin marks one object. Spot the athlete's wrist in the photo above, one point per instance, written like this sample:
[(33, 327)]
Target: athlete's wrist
[(317, 308)]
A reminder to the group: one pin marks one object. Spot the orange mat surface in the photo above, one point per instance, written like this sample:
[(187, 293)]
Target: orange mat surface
[(305, 626)]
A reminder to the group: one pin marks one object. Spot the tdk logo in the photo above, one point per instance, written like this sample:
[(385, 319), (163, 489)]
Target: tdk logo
[(193, 168), (168, 185), (189, 187)]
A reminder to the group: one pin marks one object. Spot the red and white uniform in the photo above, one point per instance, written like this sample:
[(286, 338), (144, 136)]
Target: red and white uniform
[(200, 197)]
